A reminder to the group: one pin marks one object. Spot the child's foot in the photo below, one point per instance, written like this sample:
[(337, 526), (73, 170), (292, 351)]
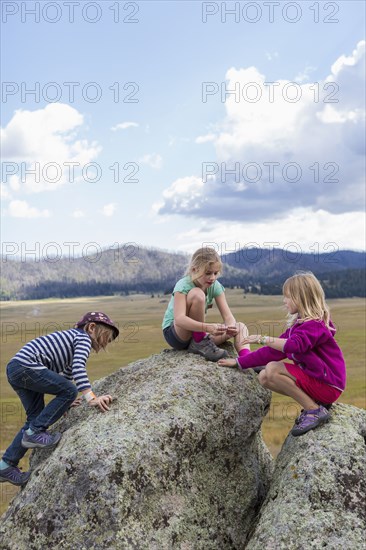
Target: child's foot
[(14, 475), (299, 418), (231, 362), (40, 440), (325, 405), (309, 420), (207, 348)]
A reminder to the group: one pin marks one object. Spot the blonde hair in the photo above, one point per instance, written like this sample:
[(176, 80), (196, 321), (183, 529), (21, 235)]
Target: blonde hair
[(306, 292), (202, 259), (103, 334)]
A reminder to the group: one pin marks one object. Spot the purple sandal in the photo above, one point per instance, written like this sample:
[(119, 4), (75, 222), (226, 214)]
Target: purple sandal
[(310, 419)]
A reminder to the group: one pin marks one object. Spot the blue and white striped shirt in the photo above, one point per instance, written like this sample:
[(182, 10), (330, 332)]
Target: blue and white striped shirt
[(64, 352)]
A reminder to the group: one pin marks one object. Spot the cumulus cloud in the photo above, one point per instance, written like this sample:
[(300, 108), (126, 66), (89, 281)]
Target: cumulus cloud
[(4, 192), (184, 193), (205, 139), (109, 209), (304, 76), (286, 233), (21, 209), (41, 149), (14, 183), (124, 126), (282, 146), (78, 214), (153, 160)]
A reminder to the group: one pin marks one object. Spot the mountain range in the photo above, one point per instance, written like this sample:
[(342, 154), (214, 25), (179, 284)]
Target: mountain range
[(131, 268)]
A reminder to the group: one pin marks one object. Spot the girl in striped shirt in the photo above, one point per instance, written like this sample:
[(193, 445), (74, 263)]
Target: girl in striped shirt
[(47, 365)]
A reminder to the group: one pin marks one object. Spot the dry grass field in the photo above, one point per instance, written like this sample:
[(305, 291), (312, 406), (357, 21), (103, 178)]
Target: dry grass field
[(139, 318)]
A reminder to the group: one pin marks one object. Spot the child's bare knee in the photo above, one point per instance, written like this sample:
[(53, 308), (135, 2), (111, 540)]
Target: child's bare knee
[(262, 378), (271, 370), (196, 295), (243, 331)]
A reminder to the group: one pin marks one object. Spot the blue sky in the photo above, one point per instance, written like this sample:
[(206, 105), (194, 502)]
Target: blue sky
[(285, 169)]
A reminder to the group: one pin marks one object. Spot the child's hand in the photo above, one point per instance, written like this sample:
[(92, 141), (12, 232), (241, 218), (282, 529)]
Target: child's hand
[(232, 330), (78, 401), (227, 362), (101, 402), (75, 403), (252, 339), (216, 329)]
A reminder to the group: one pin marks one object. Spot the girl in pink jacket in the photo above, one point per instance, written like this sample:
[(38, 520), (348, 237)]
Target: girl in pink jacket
[(317, 376)]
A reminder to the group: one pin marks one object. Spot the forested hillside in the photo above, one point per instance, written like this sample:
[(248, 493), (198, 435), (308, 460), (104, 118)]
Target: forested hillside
[(283, 263), (129, 269)]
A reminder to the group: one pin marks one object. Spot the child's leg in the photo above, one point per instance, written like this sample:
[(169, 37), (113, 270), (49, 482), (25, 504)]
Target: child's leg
[(276, 377), (33, 404), (241, 348), (319, 391), (238, 340), (196, 300), (46, 381), (31, 385), (199, 343)]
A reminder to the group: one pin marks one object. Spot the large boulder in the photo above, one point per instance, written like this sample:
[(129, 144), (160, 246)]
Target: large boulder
[(178, 462), (318, 490)]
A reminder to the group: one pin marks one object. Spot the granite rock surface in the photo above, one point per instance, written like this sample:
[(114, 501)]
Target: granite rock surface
[(178, 462), (317, 497)]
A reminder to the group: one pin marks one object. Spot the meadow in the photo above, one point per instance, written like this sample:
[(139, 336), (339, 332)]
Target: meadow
[(139, 319)]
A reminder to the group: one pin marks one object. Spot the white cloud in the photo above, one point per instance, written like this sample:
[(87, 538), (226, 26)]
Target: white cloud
[(206, 138), (281, 147), (304, 76), (153, 160), (124, 126), (4, 192), (21, 209), (352, 60), (108, 210), (14, 183), (174, 140), (287, 233), (331, 115), (270, 56), (78, 214), (40, 145), (182, 185)]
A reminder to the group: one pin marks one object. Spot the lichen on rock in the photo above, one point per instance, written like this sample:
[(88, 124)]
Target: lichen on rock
[(178, 462), (317, 494)]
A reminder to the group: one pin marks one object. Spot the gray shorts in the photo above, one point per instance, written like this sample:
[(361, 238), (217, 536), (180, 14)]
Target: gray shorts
[(173, 339)]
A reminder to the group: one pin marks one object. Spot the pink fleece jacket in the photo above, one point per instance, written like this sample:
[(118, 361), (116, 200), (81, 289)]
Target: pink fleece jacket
[(310, 345)]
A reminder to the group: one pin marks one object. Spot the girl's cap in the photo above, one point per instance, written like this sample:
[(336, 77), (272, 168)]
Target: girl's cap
[(97, 317)]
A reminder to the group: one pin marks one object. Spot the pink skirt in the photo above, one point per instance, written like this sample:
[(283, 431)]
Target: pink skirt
[(316, 389)]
